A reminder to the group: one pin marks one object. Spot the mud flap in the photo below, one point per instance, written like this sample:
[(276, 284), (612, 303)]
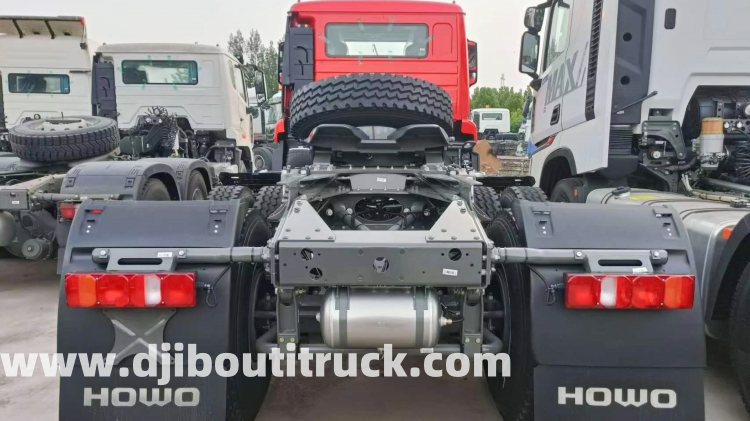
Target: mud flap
[(210, 325), (612, 364)]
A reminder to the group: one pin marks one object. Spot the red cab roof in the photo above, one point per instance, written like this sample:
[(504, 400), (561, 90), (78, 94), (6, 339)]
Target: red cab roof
[(371, 6)]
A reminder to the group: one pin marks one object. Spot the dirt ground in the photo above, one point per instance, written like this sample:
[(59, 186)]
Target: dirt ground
[(28, 306)]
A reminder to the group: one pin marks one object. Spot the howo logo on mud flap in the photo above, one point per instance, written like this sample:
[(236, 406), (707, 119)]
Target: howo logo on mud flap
[(602, 396), (128, 396), (569, 76)]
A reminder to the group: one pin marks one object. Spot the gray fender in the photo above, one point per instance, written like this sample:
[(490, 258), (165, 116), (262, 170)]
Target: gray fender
[(580, 349), (124, 179)]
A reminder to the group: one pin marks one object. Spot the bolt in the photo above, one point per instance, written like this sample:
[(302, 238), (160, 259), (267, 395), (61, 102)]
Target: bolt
[(477, 340), (281, 340), (579, 254), (102, 253), (444, 230), (181, 253), (467, 340)]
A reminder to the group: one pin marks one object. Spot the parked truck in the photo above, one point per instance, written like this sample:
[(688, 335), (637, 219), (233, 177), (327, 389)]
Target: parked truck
[(387, 236), (45, 69), (167, 120), (648, 103), (491, 122)]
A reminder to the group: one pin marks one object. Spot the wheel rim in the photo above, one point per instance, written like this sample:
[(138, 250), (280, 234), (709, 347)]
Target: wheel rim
[(259, 162), (61, 125), (198, 195)]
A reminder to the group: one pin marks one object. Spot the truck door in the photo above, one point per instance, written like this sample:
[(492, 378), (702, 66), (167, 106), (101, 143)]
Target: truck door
[(555, 82), (242, 121)]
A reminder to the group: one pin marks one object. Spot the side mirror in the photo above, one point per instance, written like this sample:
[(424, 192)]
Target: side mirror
[(253, 111), (529, 60), (534, 19), (259, 82), (473, 63)]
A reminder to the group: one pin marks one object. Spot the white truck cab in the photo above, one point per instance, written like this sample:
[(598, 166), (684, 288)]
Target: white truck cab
[(491, 121), (202, 85), (45, 68)]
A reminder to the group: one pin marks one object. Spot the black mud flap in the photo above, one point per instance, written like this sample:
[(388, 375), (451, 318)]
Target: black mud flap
[(209, 325), (612, 364)]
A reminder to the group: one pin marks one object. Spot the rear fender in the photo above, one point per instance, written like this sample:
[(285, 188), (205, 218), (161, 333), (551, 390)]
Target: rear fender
[(207, 325), (124, 179), (586, 359)]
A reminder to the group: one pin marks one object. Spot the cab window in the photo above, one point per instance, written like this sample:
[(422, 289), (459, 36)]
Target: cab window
[(558, 34), (28, 83), (159, 72), (376, 40)]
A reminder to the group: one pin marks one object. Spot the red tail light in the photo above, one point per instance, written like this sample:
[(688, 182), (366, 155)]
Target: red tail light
[(629, 291), (67, 210), (130, 290)]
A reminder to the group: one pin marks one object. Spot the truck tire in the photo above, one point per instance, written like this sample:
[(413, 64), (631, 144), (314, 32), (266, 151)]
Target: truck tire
[(262, 158), (246, 394), (568, 190), (739, 335), (530, 193), (227, 193), (154, 190), (486, 202), (299, 157), (513, 395), (197, 189), (370, 99), (269, 199), (64, 139)]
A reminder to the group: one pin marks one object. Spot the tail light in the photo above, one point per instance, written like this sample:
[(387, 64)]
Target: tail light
[(67, 210), (600, 291), (130, 290)]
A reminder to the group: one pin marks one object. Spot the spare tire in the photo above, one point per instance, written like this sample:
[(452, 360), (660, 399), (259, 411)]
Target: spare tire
[(64, 139), (369, 99)]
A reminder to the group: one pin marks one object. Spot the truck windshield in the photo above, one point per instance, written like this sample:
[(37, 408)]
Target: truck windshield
[(159, 72), (376, 40), (28, 83)]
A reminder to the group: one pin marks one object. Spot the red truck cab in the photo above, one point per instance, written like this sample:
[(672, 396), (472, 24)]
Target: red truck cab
[(424, 40)]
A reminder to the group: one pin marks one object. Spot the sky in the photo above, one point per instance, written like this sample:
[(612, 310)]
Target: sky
[(496, 25)]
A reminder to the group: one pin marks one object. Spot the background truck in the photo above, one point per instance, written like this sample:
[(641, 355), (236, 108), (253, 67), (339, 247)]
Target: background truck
[(387, 236), (653, 96), (202, 89), (312, 51), (155, 101), (491, 122), (45, 69), (263, 138)]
